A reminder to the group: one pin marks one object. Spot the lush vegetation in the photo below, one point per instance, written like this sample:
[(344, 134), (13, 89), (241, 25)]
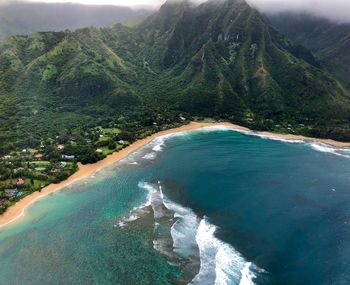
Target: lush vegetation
[(329, 41), (78, 96), (53, 157)]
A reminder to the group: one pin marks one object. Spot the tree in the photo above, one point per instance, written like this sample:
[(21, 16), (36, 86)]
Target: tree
[(111, 144)]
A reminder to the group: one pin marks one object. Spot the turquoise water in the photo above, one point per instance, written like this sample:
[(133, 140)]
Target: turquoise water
[(205, 207)]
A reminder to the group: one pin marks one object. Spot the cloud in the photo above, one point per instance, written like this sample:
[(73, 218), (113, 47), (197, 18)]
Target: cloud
[(132, 3), (150, 3), (335, 10), (5, 2)]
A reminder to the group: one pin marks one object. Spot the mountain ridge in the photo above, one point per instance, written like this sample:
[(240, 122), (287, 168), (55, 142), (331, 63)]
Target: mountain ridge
[(329, 41), (218, 60)]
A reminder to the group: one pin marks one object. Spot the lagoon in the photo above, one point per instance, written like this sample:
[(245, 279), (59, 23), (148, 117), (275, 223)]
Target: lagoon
[(205, 206)]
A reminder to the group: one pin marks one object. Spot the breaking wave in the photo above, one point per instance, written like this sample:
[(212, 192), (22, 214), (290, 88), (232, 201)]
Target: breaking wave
[(194, 238), (150, 156), (221, 264), (158, 144), (344, 152)]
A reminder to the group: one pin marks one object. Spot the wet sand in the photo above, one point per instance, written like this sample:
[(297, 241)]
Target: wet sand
[(18, 210)]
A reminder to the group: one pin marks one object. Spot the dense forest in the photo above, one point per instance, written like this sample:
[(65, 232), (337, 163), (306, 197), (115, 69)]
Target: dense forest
[(79, 95), (329, 41)]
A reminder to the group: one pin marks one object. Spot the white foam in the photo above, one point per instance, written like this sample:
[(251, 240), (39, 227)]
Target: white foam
[(248, 132), (266, 137), (248, 275), (150, 156), (216, 128), (159, 143), (161, 246), (344, 152), (221, 264), (127, 219), (158, 147), (133, 214), (154, 199), (328, 149), (149, 151), (132, 218), (150, 190), (183, 231)]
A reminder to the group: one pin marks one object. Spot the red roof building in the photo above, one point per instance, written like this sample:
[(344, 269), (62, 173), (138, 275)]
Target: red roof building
[(20, 181), (60, 147), (38, 155)]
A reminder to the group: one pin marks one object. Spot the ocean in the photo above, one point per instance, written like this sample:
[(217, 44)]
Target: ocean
[(212, 206)]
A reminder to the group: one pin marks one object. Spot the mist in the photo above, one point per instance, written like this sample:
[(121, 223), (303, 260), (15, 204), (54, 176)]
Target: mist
[(334, 10)]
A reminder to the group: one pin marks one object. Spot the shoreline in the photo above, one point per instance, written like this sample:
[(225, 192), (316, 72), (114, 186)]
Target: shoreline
[(17, 211)]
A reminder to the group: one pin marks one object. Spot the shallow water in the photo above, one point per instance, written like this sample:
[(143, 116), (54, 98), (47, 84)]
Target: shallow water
[(206, 207)]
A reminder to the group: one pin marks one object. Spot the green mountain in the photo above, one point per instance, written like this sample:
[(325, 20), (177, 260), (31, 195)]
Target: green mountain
[(219, 59), (23, 18), (329, 42)]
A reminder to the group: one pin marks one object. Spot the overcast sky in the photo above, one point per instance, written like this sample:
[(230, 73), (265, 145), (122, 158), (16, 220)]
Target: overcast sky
[(338, 10)]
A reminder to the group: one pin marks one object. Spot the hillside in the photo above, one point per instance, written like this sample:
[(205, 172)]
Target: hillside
[(218, 60), (23, 18), (329, 42)]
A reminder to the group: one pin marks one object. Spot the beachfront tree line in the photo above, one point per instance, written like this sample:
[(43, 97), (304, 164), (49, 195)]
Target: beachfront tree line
[(40, 159)]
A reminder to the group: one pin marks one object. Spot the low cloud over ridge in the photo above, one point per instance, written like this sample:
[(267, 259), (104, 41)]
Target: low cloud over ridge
[(335, 10)]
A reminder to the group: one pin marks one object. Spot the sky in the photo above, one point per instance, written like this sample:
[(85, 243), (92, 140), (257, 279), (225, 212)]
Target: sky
[(336, 10)]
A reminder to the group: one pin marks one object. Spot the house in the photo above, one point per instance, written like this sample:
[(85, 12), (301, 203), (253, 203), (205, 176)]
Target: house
[(7, 157), (60, 147), (10, 193), (63, 164), (99, 150), (38, 156), (20, 182), (68, 156), (19, 169), (121, 142), (40, 169), (3, 202)]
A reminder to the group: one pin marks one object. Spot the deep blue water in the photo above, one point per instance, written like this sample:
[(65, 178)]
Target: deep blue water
[(207, 207)]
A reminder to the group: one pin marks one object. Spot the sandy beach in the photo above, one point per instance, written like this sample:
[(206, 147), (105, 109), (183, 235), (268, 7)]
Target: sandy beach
[(18, 210)]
